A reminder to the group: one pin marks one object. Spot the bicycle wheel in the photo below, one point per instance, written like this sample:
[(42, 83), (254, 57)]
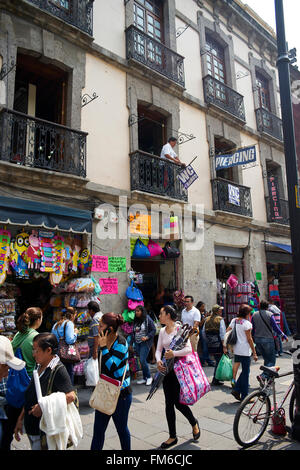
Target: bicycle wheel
[(251, 419), (292, 407)]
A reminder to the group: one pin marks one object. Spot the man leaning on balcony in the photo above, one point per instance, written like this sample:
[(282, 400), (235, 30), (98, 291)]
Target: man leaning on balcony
[(168, 152)]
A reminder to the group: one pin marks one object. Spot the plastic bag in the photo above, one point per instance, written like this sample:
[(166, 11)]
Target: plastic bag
[(224, 369), (91, 372)]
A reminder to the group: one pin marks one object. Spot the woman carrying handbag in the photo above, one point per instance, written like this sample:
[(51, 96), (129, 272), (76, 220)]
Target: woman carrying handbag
[(114, 366)]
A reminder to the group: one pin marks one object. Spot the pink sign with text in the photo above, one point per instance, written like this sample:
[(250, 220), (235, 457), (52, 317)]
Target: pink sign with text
[(109, 286), (100, 264)]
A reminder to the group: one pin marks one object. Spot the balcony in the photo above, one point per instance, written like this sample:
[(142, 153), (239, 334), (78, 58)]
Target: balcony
[(229, 196), (269, 124), (154, 55), (218, 94), (283, 210), (78, 13), (32, 142), (152, 174)]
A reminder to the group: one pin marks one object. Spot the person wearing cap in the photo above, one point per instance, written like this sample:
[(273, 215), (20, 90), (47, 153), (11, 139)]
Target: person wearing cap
[(7, 360), (214, 331)]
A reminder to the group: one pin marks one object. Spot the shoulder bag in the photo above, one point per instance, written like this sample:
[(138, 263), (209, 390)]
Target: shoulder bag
[(68, 353), (106, 393), (133, 293), (232, 337), (192, 379)]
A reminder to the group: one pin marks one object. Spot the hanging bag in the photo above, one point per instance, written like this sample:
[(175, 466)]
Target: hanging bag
[(106, 393), (170, 251), (133, 293), (232, 337), (68, 353), (154, 248), (140, 250), (17, 383), (224, 370), (192, 380)]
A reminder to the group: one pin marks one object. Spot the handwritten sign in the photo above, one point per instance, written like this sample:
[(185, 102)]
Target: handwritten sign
[(140, 224), (117, 265), (100, 264), (109, 286)]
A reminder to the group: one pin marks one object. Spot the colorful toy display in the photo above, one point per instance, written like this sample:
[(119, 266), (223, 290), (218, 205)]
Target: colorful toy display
[(48, 259), (18, 250), (59, 253), (5, 237), (33, 254), (85, 261)]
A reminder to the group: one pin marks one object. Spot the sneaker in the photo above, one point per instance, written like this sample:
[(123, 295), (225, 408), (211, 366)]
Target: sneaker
[(149, 381), (236, 395), (141, 381)]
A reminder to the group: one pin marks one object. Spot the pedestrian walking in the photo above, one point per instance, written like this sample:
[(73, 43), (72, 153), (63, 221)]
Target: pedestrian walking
[(205, 359), (143, 336), (243, 349), (214, 331), (264, 328), (26, 324), (191, 316), (52, 374), (171, 385), (65, 329), (114, 361), (273, 308), (93, 337)]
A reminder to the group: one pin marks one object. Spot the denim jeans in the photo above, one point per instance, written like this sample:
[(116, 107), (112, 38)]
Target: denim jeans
[(242, 384), (205, 356), (142, 350), (266, 347), (120, 419), (70, 370)]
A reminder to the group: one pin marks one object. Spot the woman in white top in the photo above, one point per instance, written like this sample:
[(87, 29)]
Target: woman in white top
[(243, 349), (171, 385)]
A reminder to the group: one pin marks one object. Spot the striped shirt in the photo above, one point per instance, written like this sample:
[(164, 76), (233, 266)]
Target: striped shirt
[(114, 361)]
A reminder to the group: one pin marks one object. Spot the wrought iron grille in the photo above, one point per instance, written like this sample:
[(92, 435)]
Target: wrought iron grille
[(155, 55), (219, 94), (222, 202), (284, 212), (78, 13), (152, 174), (269, 123), (32, 142)]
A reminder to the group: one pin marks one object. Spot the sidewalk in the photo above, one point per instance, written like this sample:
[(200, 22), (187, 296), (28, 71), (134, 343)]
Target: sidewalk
[(215, 412)]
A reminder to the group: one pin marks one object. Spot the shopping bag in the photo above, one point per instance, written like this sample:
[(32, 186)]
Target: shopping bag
[(224, 369), (17, 383), (192, 379), (154, 248), (133, 293), (91, 372), (140, 250)]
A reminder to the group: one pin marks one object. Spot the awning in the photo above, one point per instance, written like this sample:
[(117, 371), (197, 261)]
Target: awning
[(282, 247), (23, 212)]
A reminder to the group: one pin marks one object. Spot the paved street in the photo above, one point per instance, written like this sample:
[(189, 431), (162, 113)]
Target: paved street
[(215, 412)]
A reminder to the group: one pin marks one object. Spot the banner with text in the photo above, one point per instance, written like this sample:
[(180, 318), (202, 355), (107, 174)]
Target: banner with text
[(187, 176), (240, 157)]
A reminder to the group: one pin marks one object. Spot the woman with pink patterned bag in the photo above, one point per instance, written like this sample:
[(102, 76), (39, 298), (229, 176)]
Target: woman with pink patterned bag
[(171, 385)]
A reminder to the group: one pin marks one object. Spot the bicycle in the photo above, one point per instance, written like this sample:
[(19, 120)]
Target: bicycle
[(254, 413)]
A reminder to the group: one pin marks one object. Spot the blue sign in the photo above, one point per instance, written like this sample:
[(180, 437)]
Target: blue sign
[(187, 176), (240, 157)]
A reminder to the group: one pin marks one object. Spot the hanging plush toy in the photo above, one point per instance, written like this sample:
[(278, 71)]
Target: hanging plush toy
[(48, 260), (75, 258), (33, 254), (59, 248), (4, 254), (18, 250), (85, 261), (68, 258)]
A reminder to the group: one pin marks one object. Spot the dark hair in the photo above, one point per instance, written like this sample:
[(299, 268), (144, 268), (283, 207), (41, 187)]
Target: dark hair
[(28, 318), (189, 297), (199, 305), (264, 305), (47, 340), (67, 314), (172, 139), (112, 320), (169, 310), (143, 317), (94, 306), (244, 310)]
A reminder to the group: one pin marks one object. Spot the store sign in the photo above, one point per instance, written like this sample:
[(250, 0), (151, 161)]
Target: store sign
[(140, 224), (275, 207), (240, 157), (234, 195), (99, 264), (117, 265), (187, 176), (109, 286)]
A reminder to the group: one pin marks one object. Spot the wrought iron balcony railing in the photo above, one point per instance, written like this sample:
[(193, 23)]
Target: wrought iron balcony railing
[(32, 142), (154, 55), (231, 197), (78, 13), (152, 174), (224, 97), (282, 209), (269, 123)]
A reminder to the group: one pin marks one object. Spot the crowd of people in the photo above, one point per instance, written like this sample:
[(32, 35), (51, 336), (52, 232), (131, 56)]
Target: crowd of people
[(38, 354)]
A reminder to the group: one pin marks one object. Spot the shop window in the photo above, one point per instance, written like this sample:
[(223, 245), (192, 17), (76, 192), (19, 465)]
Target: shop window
[(148, 17), (215, 61), (151, 130)]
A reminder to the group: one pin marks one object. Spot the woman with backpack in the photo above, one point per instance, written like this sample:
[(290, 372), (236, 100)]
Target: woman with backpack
[(143, 336), (26, 324), (66, 330)]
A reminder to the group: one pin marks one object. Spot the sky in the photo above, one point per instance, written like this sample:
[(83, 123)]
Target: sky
[(266, 10)]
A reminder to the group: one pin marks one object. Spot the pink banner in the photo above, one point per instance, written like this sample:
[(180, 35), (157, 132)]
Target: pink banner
[(100, 264), (109, 286)]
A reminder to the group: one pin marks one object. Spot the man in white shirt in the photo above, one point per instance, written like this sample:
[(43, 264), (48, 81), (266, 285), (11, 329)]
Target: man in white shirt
[(190, 315), (168, 152)]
